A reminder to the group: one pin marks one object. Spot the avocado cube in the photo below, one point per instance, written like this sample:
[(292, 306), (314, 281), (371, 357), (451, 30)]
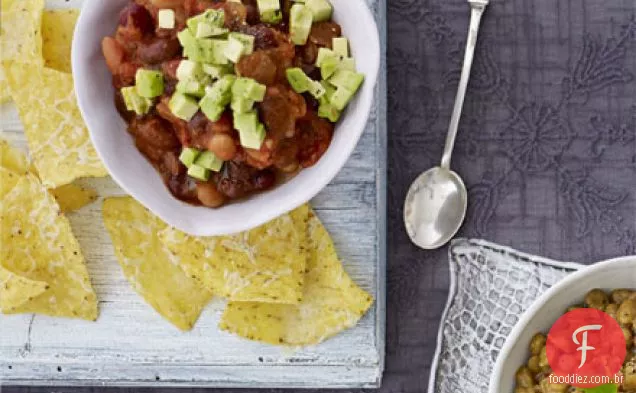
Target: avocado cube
[(166, 19), (213, 51), (134, 102), (182, 106), (348, 63), (328, 111), (234, 49), (211, 109), (220, 92), (300, 21), (247, 41), (149, 83), (340, 46), (191, 87), (213, 17), (216, 71), (316, 89), (329, 66), (298, 80), (348, 79), (341, 97), (272, 17), (320, 9), (246, 122), (205, 30), (253, 140), (241, 105), (199, 172), (324, 54), (208, 160), (267, 5), (249, 89), (188, 156), (191, 48), (189, 70)]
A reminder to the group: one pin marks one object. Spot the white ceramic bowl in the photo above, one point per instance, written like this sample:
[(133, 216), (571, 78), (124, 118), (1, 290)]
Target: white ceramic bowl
[(135, 175), (612, 274)]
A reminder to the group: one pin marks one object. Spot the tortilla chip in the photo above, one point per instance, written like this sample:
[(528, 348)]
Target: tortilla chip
[(72, 197), (149, 266), (5, 94), (332, 302), (57, 36), (16, 290), (20, 30), (38, 245), (266, 264), (58, 140), (12, 158)]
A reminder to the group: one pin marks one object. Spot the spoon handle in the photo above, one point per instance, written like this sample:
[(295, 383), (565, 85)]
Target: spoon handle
[(477, 10)]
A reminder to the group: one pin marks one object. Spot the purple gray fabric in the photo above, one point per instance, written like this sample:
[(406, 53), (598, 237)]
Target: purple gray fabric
[(547, 145)]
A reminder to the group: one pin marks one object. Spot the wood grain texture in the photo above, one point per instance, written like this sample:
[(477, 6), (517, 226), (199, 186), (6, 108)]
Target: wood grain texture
[(131, 345)]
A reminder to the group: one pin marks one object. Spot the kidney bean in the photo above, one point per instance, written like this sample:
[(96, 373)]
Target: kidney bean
[(158, 50)]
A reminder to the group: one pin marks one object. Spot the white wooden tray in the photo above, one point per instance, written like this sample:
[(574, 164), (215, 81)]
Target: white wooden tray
[(131, 345)]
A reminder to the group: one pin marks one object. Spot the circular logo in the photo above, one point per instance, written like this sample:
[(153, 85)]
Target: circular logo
[(586, 345)]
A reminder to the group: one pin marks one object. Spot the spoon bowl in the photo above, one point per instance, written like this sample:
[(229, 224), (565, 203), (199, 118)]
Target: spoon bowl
[(435, 207)]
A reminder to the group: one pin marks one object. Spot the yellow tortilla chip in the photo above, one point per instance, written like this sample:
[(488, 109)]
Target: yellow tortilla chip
[(5, 94), (332, 302), (72, 197), (266, 264), (57, 36), (149, 266), (16, 290), (12, 158), (37, 244), (20, 32), (58, 140)]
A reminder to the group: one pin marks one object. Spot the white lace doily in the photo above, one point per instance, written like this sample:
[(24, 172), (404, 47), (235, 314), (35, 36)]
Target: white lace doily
[(491, 286)]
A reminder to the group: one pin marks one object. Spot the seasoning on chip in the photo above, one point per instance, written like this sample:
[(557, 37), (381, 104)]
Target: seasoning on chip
[(57, 36), (16, 290), (149, 266), (20, 30), (331, 303), (38, 245), (58, 140), (72, 197), (266, 264)]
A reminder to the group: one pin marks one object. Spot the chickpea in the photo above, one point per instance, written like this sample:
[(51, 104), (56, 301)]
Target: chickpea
[(537, 343), (223, 146), (626, 312), (543, 358), (524, 378), (547, 387), (620, 295), (533, 364), (596, 298), (627, 332), (209, 195), (612, 309)]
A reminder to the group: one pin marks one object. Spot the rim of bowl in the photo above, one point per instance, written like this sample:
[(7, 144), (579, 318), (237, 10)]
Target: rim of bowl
[(264, 215), (495, 379)]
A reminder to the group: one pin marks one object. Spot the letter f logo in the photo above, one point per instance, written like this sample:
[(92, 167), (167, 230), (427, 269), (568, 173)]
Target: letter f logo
[(583, 345)]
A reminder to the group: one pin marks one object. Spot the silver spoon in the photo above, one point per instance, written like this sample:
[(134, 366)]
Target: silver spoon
[(435, 205)]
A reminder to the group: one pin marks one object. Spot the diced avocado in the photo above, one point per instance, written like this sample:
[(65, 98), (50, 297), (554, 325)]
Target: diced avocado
[(329, 89), (272, 17), (253, 140), (191, 48), (316, 89), (348, 63), (241, 105), (341, 46), (320, 9), (191, 87), (149, 83), (234, 50), (267, 5), (341, 97), (220, 92), (247, 41), (216, 71), (324, 54), (208, 160), (350, 80), (328, 111), (134, 102), (213, 17), (199, 172), (205, 30), (300, 21), (213, 50), (329, 66), (189, 70), (188, 155), (246, 122), (182, 106), (211, 109), (249, 89), (298, 80), (166, 19)]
